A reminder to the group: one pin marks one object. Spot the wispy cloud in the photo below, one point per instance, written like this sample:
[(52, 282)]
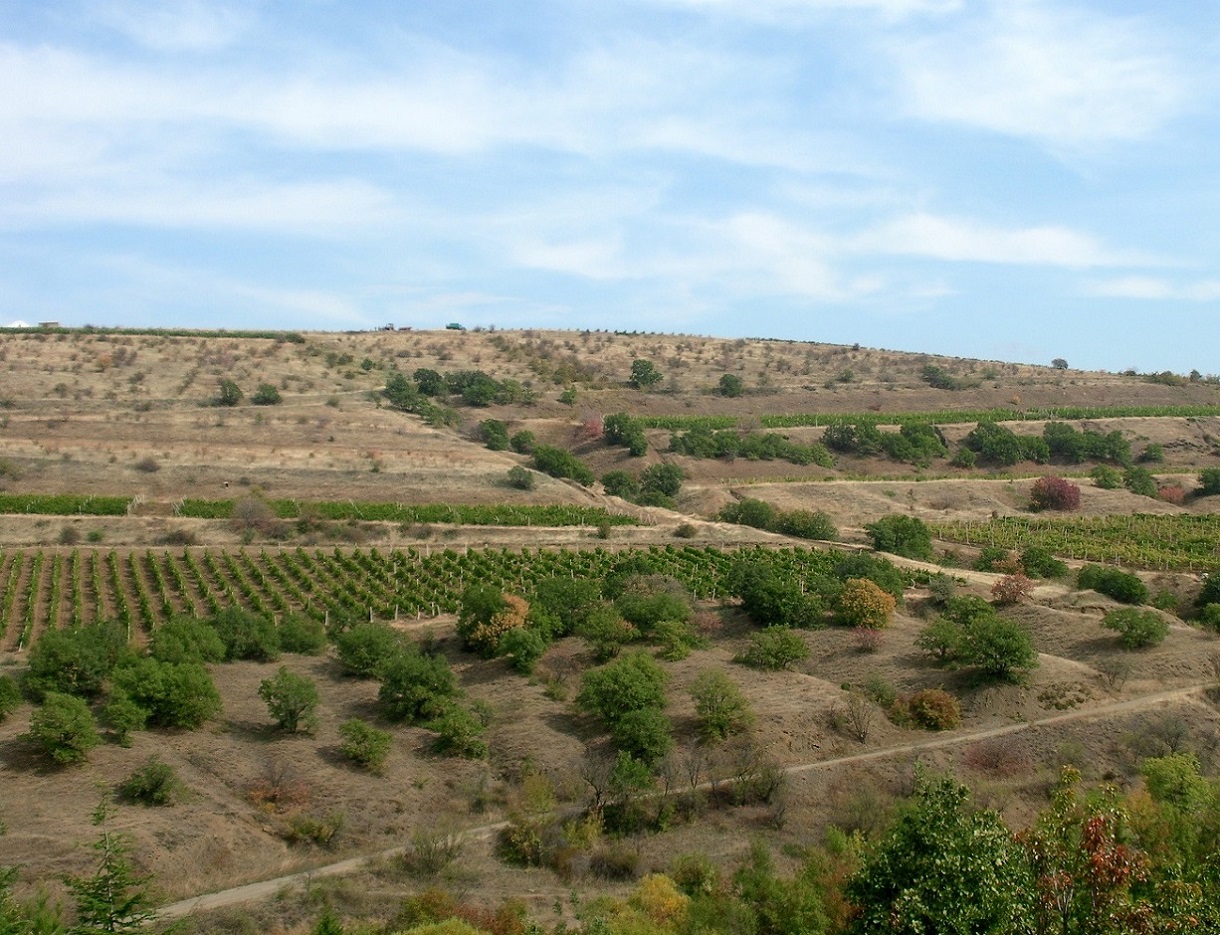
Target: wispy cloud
[(967, 240), (774, 9), (1063, 76)]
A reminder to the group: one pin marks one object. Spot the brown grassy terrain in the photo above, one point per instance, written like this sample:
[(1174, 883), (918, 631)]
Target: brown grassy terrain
[(91, 413)]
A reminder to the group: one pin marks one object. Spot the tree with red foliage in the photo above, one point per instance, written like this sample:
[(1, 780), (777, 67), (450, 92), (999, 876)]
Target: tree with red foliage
[(1054, 493)]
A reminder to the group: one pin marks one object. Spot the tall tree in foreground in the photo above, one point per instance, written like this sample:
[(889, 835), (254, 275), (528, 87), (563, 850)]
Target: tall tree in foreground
[(113, 899)]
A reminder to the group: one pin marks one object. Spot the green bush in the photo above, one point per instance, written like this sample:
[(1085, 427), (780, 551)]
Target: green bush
[(630, 683), (523, 647), (1137, 629), (1106, 477), (494, 434), (416, 688), (303, 635), (773, 649), (806, 524), (367, 648), (266, 395), (749, 512), (1140, 481), (228, 393), (122, 715), (186, 639), (644, 734), (459, 732), (522, 442), (154, 783), (246, 635), (10, 696), (1209, 616), (903, 535), (1040, 563), (1209, 482), (291, 700), (63, 728), (520, 478), (561, 463), (364, 745), (998, 648), (1120, 585), (175, 694)]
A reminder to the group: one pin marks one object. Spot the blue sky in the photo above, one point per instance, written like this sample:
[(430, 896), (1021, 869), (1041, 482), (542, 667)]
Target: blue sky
[(1018, 179)]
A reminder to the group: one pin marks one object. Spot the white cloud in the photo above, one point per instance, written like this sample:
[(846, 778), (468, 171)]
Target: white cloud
[(173, 25), (1153, 288), (320, 208), (1024, 68), (964, 240)]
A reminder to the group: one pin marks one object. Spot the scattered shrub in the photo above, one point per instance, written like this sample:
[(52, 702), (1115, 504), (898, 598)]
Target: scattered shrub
[(246, 635), (1039, 563), (175, 694), (774, 648), (1137, 629), (63, 728), (366, 649), (147, 465), (1054, 493), (522, 442), (154, 783), (934, 709), (1120, 585), (228, 393), (720, 707), (520, 478), (186, 639), (1106, 477), (685, 531), (364, 745), (266, 395), (1140, 481), (522, 647), (10, 696), (1172, 493), (1209, 482), (1011, 589), (416, 688), (459, 732), (862, 603), (903, 535)]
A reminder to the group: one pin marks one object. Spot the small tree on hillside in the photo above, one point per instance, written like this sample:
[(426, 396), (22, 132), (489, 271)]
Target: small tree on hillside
[(290, 699), (113, 898), (863, 603), (63, 728), (644, 374), (903, 535), (228, 393)]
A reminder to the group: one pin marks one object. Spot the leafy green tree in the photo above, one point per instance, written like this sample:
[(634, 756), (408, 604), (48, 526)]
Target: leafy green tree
[(228, 393), (720, 707), (1140, 481), (266, 395), (998, 648), (522, 647), (364, 744), (1040, 563), (567, 600), (416, 688), (630, 683), (730, 385), (1137, 629), (900, 534), (806, 524), (749, 512), (122, 715), (644, 374), (291, 700), (941, 639), (621, 484), (558, 462), (429, 382), (644, 734), (62, 726), (663, 479), (113, 897), (1106, 477), (944, 868), (1124, 587), (175, 694), (75, 661), (606, 632)]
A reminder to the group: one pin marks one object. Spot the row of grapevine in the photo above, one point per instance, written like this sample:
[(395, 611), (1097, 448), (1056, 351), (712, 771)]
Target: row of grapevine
[(41, 590), (458, 514), (1179, 542), (942, 417)]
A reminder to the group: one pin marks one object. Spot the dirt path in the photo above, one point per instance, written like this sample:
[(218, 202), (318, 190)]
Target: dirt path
[(265, 889)]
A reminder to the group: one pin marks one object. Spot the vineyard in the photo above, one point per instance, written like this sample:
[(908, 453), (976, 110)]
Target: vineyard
[(41, 590), (1177, 543), (486, 515)]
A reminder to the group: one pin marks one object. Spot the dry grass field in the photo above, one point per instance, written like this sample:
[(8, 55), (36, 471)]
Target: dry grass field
[(131, 415)]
